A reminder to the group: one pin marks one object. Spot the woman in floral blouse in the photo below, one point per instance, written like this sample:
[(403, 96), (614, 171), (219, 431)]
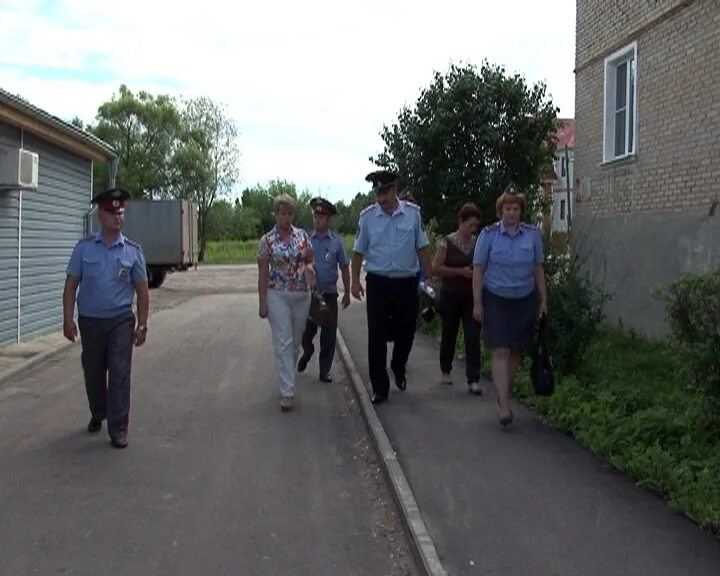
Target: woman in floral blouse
[(285, 275)]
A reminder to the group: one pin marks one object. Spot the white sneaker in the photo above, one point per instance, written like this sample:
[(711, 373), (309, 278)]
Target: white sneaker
[(446, 379), (474, 388), (286, 403)]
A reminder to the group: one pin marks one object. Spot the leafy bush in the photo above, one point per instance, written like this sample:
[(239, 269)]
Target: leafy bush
[(575, 308), (693, 312)]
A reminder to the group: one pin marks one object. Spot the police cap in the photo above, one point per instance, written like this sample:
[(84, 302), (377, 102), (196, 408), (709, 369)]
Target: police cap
[(321, 205), (381, 180), (112, 200)]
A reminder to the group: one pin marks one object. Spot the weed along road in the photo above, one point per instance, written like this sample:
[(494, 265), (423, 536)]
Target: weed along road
[(216, 480)]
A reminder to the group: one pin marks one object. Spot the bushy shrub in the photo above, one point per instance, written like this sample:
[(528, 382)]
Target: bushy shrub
[(693, 314), (575, 307)]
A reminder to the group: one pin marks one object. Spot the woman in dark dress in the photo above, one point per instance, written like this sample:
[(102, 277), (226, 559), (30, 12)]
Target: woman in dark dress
[(453, 263)]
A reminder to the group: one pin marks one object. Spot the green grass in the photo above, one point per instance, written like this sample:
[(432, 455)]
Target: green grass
[(244, 251), (631, 404), (231, 252)]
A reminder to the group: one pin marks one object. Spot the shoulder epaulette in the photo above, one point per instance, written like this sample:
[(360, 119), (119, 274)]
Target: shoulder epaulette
[(367, 209), (492, 227), (132, 243), (411, 204), (90, 237)]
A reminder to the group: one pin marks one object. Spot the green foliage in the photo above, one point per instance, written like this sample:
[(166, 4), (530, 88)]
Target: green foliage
[(168, 149), (210, 163), (693, 312), (244, 251), (630, 404), (576, 308), (143, 129), (231, 252), (470, 132), (346, 220)]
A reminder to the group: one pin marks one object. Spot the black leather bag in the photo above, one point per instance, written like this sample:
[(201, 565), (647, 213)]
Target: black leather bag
[(320, 312), (542, 372)]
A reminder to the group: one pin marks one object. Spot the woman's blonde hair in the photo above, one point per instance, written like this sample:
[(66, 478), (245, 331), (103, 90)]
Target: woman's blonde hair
[(510, 196), (283, 203)]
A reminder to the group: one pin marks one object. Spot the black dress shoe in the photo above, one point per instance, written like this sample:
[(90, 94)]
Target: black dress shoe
[(119, 441), (94, 426), (302, 363), (401, 382), (325, 378), (377, 399)]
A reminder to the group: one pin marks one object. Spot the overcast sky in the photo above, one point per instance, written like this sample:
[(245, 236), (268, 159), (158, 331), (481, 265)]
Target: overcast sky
[(310, 83)]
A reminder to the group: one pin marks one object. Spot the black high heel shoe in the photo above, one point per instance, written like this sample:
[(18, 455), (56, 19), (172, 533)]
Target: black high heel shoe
[(507, 419)]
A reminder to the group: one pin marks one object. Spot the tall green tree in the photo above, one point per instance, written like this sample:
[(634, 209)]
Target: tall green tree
[(471, 132), (208, 131), (260, 199), (144, 130)]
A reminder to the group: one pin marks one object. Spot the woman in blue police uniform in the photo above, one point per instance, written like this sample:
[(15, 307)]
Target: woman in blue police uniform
[(508, 281), (330, 255), (391, 238), (109, 269)]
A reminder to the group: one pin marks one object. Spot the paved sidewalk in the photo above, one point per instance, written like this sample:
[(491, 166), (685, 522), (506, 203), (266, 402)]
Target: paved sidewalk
[(528, 501), (16, 358)]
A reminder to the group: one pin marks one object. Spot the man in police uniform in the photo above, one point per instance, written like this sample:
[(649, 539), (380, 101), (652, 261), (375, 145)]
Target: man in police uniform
[(392, 240), (109, 269), (329, 255)]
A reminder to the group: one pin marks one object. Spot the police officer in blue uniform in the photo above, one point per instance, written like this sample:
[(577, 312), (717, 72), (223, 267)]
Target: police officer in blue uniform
[(109, 270), (391, 239), (509, 290), (329, 253)]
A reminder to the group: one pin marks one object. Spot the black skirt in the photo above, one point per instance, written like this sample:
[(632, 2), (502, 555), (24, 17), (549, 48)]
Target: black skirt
[(509, 322)]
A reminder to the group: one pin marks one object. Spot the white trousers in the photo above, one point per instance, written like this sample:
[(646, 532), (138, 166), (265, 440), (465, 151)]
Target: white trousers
[(287, 314)]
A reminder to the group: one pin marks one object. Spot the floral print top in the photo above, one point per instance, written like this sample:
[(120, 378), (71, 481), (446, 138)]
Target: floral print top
[(287, 259)]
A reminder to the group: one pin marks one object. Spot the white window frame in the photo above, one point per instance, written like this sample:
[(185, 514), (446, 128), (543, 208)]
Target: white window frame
[(612, 62)]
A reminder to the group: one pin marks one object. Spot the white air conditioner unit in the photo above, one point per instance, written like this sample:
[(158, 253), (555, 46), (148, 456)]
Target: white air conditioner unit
[(18, 169)]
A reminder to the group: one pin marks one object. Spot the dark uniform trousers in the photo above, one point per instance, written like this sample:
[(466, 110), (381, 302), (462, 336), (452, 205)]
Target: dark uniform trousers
[(390, 300), (328, 336), (107, 345)]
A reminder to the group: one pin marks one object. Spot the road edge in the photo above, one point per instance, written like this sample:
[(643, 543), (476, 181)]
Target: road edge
[(421, 543), (33, 362)]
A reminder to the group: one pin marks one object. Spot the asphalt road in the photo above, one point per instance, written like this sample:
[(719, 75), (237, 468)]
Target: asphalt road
[(216, 479)]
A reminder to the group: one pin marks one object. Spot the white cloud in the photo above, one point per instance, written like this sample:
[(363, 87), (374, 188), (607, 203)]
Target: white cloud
[(310, 83)]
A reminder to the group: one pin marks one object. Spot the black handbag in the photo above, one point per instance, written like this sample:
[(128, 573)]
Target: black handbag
[(542, 372), (320, 312)]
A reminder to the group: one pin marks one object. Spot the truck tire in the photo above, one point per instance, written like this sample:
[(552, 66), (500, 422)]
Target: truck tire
[(156, 276)]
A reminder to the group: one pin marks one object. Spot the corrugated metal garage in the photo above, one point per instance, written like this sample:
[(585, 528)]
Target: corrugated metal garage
[(39, 225)]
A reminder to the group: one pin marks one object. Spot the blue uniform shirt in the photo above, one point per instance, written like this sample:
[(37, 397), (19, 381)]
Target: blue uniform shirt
[(509, 261), (107, 275), (390, 242), (329, 254)]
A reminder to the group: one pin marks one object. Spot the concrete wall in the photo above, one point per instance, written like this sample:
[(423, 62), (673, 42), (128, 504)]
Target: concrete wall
[(630, 255), (649, 214)]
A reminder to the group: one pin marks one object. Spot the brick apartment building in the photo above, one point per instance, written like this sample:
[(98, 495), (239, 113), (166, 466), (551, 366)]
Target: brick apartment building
[(647, 148)]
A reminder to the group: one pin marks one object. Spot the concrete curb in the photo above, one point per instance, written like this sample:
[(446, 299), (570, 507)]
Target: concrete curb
[(421, 543), (33, 361)]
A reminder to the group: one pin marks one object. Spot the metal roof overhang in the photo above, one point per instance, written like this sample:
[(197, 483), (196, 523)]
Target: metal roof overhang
[(22, 114)]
